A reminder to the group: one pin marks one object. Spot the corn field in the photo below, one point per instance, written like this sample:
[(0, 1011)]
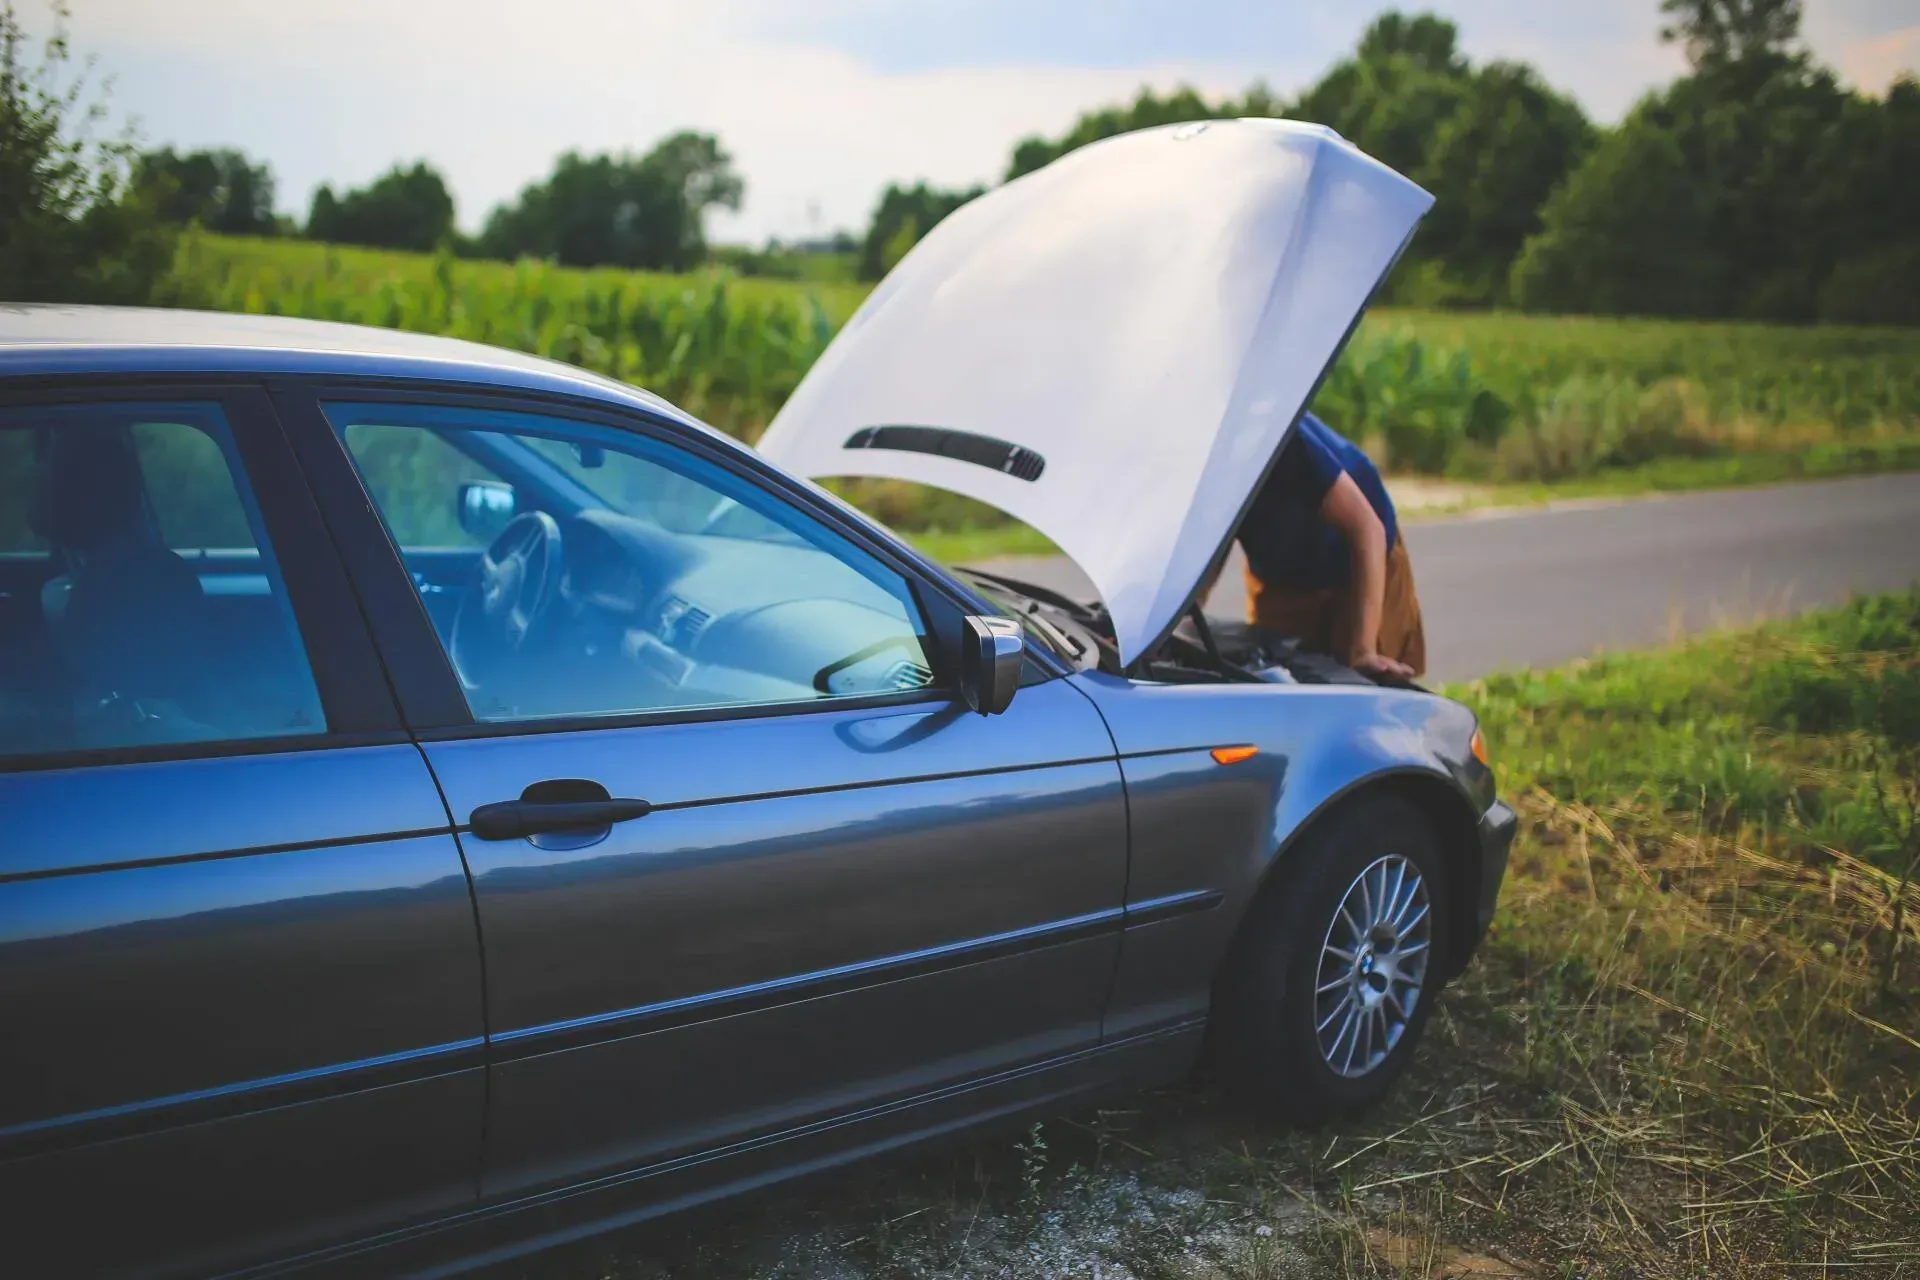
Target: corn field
[(1474, 395), (725, 349)]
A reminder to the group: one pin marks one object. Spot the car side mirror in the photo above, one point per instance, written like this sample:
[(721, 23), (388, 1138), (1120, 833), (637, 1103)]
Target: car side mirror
[(992, 655), (485, 507)]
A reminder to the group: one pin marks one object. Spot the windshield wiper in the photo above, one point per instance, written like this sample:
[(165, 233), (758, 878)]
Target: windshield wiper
[(1030, 591), (1055, 636)]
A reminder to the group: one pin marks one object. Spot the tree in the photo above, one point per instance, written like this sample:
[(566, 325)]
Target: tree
[(696, 167), (1780, 196), (1144, 112), (1391, 103), (1756, 186), (72, 229), (1631, 231), (1723, 31), (1871, 184), (401, 209), (903, 215), (1491, 163), (1489, 143), (620, 210), (1426, 40), (221, 190)]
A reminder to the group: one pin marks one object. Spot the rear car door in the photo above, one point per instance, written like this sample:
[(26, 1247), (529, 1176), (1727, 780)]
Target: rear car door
[(239, 974), (806, 879)]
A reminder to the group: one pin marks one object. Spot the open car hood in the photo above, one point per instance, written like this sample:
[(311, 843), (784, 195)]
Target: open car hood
[(1113, 348)]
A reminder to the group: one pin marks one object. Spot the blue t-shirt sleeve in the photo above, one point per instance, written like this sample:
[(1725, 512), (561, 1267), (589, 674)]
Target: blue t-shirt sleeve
[(1316, 459)]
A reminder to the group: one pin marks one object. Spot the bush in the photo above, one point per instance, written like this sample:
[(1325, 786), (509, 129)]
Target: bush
[(1661, 424), (1870, 624), (1806, 695), (1863, 677), (1422, 403), (1573, 431), (1590, 423), (71, 227), (1899, 699)]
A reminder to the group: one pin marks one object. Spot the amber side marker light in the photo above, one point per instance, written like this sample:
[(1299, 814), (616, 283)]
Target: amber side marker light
[(1234, 755), (1480, 749)]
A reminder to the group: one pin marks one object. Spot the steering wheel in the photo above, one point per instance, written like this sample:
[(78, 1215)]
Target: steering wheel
[(515, 586)]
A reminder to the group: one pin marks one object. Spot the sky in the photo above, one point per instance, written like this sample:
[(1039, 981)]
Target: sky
[(820, 102)]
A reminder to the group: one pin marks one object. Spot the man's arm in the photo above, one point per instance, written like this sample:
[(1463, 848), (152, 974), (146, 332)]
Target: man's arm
[(1346, 508)]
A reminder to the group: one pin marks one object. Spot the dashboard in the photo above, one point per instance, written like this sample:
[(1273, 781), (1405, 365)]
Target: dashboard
[(646, 618)]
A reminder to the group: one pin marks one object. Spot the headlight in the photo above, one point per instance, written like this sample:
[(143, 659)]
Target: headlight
[(1479, 746)]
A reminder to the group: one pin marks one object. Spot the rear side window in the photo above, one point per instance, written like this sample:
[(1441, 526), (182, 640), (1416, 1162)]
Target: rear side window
[(17, 534), (196, 504), (140, 604)]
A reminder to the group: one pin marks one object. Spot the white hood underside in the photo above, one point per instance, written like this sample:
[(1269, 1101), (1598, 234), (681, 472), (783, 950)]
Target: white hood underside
[(1145, 318)]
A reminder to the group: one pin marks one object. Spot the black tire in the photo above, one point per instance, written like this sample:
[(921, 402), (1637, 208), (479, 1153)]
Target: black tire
[(1268, 1006)]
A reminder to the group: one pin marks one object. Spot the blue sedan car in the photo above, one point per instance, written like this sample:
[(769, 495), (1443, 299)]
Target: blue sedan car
[(454, 804)]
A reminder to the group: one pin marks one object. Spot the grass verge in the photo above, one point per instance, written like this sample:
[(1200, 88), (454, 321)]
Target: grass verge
[(1690, 1045)]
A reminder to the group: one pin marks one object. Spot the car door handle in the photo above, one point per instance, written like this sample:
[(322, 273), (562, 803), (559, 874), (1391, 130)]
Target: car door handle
[(518, 819)]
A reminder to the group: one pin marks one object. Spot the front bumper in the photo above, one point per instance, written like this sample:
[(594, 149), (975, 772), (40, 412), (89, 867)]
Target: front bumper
[(1497, 826)]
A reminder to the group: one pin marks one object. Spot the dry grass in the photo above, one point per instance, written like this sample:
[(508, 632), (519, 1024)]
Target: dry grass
[(1683, 1055)]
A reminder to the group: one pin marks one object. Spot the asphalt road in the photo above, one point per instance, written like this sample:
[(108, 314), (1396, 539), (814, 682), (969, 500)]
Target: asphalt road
[(1522, 588)]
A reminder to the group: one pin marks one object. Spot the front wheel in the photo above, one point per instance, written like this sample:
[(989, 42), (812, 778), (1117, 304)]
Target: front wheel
[(1331, 981)]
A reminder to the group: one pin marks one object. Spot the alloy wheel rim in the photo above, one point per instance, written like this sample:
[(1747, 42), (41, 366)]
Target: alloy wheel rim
[(1373, 966)]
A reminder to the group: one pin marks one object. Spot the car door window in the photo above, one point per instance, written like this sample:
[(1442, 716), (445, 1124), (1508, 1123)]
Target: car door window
[(140, 603), (622, 576), (412, 475)]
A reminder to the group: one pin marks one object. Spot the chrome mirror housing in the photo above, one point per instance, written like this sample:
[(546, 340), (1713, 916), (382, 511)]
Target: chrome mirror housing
[(993, 653), (485, 507)]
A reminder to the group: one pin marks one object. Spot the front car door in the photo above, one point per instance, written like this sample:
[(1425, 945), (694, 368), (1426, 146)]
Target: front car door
[(805, 879), (239, 975)]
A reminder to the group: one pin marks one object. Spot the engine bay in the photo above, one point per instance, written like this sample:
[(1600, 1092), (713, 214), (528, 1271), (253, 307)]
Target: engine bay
[(1200, 650)]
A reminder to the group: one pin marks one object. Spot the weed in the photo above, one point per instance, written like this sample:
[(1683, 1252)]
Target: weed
[(1033, 1165)]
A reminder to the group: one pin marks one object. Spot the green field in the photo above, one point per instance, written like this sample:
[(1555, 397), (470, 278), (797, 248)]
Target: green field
[(727, 349), (1690, 1045), (1596, 404)]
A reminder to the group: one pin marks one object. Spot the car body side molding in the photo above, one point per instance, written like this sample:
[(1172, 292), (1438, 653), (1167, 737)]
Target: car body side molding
[(620, 1023), (505, 1229), (243, 1096)]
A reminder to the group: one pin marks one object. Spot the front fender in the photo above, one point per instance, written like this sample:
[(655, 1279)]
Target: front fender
[(1205, 836)]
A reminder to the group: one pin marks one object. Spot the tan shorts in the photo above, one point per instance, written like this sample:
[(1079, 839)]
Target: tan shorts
[(1323, 619)]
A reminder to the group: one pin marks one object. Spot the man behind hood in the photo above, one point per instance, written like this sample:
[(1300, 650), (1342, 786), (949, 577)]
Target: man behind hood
[(1325, 560)]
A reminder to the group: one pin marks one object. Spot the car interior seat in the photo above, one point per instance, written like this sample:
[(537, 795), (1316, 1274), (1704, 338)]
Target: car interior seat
[(128, 617)]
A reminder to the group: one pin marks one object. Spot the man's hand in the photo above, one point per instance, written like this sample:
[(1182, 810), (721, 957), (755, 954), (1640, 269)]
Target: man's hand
[(1378, 666)]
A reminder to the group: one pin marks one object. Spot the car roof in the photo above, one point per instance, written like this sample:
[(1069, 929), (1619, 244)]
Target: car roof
[(49, 339)]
